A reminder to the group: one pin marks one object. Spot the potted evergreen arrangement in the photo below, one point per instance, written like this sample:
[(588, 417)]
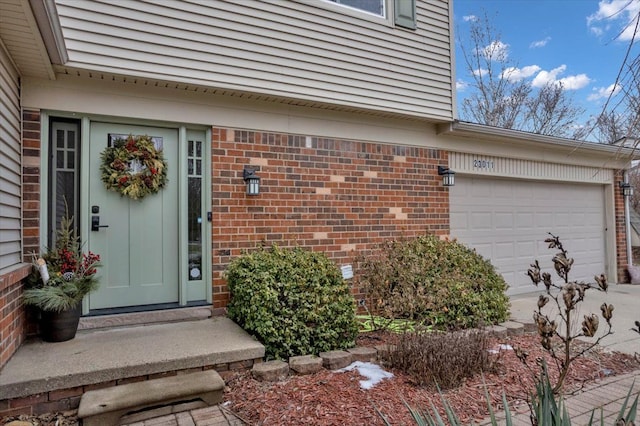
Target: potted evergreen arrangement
[(60, 279)]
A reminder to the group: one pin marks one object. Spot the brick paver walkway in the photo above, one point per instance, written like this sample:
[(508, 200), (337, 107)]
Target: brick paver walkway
[(209, 416), (605, 397)]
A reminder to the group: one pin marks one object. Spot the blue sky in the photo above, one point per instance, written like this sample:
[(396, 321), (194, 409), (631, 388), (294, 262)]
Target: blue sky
[(581, 43)]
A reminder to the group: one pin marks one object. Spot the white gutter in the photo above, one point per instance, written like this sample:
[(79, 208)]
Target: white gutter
[(48, 21), (473, 129)]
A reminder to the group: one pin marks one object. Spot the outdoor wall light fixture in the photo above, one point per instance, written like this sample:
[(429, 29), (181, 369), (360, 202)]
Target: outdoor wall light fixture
[(252, 180), (627, 190), (448, 176)]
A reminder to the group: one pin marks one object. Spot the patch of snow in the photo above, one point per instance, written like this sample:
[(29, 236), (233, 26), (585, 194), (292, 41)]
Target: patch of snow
[(373, 372), (501, 348)]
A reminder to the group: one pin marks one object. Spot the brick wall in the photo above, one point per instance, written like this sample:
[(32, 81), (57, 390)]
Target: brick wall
[(13, 315), (14, 322), (30, 183), (621, 235), (341, 197)]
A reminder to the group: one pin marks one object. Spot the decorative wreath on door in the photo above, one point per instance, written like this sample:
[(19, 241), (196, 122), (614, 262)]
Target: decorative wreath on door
[(133, 167)]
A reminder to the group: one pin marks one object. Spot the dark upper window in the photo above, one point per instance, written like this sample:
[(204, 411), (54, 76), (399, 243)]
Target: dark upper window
[(375, 7), (404, 11)]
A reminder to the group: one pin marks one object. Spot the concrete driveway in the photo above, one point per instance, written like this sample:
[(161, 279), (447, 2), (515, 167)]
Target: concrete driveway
[(624, 297)]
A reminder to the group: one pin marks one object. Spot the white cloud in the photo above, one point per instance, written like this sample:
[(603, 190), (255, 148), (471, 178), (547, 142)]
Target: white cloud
[(540, 43), (480, 72), (496, 51), (629, 32), (540, 77), (461, 85), (597, 31), (572, 82), (617, 15), (470, 18), (517, 74), (603, 92), (545, 77)]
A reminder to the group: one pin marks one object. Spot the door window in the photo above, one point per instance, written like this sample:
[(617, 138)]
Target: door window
[(194, 213), (64, 173)]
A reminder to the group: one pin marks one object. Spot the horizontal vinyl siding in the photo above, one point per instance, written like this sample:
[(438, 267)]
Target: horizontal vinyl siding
[(308, 50), (10, 188)]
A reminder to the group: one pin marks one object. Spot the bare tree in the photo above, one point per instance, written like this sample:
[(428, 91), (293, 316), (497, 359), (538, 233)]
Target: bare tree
[(620, 117), (551, 112), (611, 126), (496, 99), (501, 96)]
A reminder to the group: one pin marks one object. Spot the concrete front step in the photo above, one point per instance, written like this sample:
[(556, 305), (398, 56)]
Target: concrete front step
[(107, 406), (46, 377)]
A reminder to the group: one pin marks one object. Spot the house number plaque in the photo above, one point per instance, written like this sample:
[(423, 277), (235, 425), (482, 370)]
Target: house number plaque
[(483, 164)]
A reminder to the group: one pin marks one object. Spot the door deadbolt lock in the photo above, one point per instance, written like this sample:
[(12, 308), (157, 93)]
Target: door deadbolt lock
[(95, 224)]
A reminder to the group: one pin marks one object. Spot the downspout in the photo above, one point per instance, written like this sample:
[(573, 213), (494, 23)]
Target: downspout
[(627, 221)]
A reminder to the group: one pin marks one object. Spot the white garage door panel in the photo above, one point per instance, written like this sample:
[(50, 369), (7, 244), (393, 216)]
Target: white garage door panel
[(507, 221)]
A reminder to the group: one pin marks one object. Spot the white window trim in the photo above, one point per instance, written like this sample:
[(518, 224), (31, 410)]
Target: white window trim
[(384, 14), (353, 12)]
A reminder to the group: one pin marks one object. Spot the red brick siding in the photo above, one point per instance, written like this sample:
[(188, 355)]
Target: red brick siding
[(13, 322), (12, 313), (621, 235), (31, 180), (341, 197), (30, 183)]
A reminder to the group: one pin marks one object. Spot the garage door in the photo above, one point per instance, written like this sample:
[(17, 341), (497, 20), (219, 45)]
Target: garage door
[(507, 220)]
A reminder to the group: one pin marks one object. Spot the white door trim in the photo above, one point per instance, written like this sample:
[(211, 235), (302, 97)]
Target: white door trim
[(84, 187)]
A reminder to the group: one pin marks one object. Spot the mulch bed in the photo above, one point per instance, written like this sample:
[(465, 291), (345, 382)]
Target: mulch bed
[(331, 398), (68, 418)]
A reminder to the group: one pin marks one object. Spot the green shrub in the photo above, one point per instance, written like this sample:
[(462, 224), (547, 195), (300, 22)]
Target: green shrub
[(436, 282), (294, 301)]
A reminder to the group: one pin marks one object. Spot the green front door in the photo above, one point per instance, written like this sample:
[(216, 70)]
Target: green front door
[(138, 240)]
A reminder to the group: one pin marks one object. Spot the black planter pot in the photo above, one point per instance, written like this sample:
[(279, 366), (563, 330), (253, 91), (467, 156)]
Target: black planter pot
[(60, 326)]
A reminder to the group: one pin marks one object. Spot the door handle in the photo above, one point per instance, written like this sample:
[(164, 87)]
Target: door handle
[(95, 224)]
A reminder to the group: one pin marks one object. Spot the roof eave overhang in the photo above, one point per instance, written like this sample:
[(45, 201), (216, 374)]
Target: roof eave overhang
[(489, 133), (46, 15), (191, 85)]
